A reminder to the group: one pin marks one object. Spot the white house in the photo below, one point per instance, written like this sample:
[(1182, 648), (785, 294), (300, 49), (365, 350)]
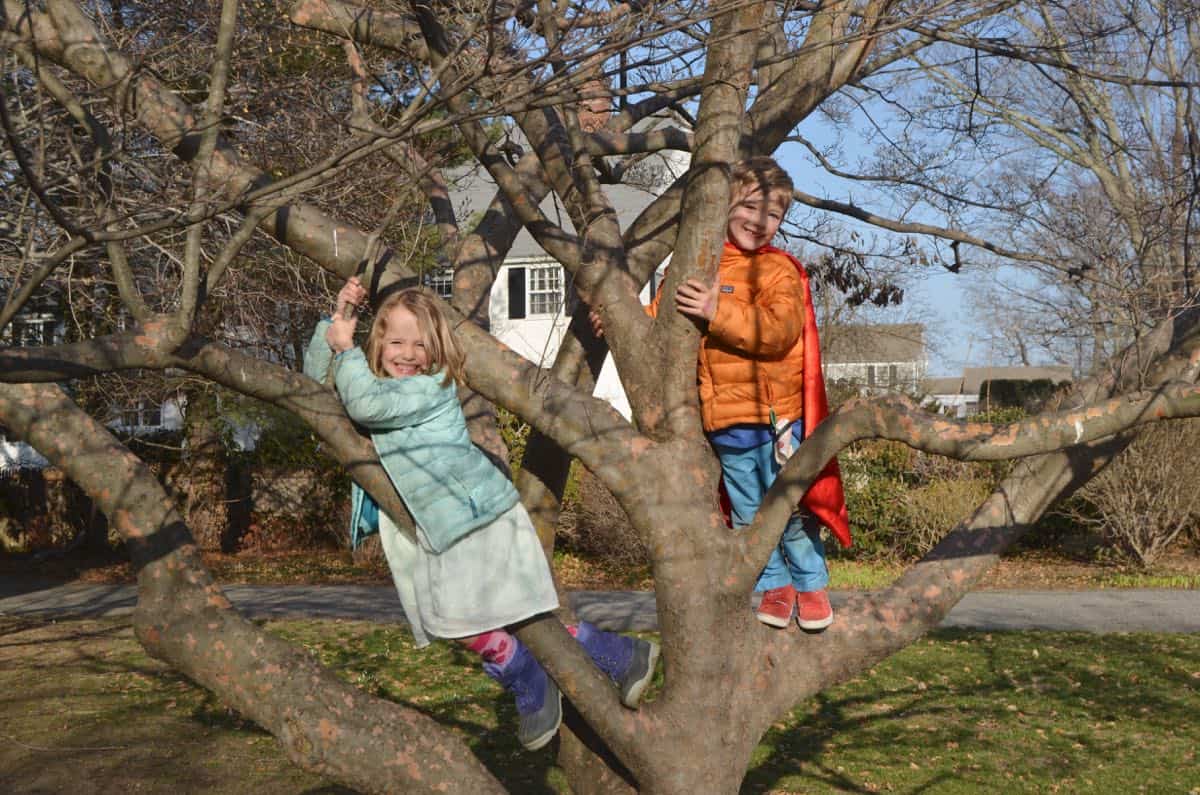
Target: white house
[(42, 324), (531, 295)]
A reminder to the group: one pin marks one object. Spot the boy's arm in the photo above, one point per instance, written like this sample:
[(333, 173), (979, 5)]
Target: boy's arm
[(384, 403), (768, 327)]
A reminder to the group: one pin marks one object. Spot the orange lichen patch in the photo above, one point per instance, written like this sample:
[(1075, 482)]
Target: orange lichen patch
[(958, 576), (329, 732), (932, 592), (219, 601), (408, 763), (888, 616), (150, 331), (639, 446), (1007, 438), (126, 526)]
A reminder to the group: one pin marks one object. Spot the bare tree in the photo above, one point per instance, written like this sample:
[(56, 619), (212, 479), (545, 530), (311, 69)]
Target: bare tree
[(419, 70)]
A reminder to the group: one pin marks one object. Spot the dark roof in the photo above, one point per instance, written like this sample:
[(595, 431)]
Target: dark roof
[(882, 342), (973, 377)]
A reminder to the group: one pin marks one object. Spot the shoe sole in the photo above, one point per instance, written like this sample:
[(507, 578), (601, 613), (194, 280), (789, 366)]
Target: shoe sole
[(542, 740), (815, 626), (773, 621), (634, 694)]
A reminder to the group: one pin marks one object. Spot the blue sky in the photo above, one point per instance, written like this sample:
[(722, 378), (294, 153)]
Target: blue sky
[(936, 295)]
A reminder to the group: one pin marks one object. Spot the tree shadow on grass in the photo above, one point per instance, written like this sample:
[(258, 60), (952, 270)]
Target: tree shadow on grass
[(1044, 706)]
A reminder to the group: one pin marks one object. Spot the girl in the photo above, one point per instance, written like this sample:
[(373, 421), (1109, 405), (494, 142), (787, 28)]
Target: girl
[(478, 566)]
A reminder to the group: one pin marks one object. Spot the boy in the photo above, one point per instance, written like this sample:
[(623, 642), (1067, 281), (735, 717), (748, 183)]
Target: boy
[(761, 389)]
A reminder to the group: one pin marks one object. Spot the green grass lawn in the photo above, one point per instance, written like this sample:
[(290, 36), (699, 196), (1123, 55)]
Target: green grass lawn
[(957, 712)]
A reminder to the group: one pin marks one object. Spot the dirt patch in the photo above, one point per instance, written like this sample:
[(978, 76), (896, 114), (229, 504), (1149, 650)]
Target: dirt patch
[(1042, 571)]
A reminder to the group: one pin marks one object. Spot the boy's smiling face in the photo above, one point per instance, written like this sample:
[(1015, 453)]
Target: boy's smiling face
[(753, 219)]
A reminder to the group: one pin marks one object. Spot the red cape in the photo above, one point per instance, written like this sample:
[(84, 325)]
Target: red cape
[(825, 499)]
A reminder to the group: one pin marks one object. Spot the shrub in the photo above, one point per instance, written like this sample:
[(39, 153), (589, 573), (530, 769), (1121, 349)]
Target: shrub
[(902, 501), (1149, 496), (601, 530), (932, 510)]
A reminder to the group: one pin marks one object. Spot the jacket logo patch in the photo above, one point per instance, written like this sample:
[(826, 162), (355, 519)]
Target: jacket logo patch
[(727, 288)]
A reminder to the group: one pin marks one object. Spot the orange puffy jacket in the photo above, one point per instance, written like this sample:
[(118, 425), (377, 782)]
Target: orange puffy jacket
[(774, 306), (752, 357)]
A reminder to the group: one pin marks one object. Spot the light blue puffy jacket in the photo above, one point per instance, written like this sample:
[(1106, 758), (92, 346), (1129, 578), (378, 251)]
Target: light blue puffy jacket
[(419, 431)]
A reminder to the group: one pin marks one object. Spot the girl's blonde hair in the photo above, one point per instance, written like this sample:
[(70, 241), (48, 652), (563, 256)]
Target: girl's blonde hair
[(445, 354)]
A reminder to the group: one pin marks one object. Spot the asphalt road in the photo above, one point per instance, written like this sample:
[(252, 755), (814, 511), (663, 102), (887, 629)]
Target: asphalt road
[(1077, 611)]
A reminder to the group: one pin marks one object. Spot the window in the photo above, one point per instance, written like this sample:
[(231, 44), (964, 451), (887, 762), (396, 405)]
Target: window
[(441, 281), (545, 290), (30, 331), (535, 290), (146, 414)]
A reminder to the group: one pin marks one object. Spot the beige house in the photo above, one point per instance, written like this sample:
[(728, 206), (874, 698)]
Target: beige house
[(874, 358)]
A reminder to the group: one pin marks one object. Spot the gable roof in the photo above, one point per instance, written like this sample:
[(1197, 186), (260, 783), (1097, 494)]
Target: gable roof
[(472, 188), (878, 342)]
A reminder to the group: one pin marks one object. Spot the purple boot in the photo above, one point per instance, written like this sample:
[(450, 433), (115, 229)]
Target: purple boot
[(539, 702), (628, 661)]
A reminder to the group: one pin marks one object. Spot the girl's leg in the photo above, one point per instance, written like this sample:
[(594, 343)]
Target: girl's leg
[(539, 702), (629, 662)]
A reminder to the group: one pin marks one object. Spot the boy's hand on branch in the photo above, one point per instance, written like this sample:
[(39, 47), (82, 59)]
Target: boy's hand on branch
[(597, 323), (340, 335), (698, 300)]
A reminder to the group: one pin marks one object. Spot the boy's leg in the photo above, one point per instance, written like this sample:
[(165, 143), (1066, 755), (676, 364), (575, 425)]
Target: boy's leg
[(809, 573), (805, 553), (748, 475)]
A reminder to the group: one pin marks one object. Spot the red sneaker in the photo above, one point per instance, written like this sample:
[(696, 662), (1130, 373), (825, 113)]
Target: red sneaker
[(813, 612), (775, 609)]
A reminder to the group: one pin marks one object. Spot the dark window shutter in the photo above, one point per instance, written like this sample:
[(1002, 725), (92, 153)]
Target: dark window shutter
[(516, 293)]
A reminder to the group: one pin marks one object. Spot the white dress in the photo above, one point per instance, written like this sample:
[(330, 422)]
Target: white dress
[(493, 577)]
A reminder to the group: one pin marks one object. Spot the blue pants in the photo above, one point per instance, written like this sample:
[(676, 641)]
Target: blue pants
[(799, 557)]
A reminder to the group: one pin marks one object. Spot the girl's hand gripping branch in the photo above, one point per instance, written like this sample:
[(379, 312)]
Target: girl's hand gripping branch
[(340, 335)]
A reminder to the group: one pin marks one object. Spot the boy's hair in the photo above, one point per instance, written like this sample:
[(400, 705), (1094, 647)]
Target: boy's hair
[(445, 354), (761, 172)]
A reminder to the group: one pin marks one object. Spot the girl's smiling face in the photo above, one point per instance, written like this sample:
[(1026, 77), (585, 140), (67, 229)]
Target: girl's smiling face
[(404, 352)]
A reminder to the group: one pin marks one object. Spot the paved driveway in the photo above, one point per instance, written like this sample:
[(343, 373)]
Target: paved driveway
[(1079, 611)]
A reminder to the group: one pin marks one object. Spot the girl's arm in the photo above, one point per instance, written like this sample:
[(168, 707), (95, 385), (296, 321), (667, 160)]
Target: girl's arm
[(384, 403), (318, 355), (335, 334)]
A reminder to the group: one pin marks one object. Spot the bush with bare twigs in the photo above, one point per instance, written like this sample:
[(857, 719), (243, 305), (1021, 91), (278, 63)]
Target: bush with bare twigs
[(1148, 497)]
